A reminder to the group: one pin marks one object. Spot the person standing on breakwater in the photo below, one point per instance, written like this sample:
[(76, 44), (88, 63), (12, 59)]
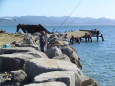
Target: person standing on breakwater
[(43, 41), (72, 39)]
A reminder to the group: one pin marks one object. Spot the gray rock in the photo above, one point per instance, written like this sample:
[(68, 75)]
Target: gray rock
[(17, 49), (15, 58), (47, 84), (38, 66), (10, 64), (62, 57), (89, 82), (72, 55), (23, 50), (36, 46), (69, 52), (18, 76), (67, 77), (4, 77), (13, 78), (28, 39), (52, 40), (16, 44), (53, 52), (66, 42), (53, 36)]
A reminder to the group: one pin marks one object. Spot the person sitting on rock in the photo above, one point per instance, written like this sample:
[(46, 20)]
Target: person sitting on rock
[(65, 36)]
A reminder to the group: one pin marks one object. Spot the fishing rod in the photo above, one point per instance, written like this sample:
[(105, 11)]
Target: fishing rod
[(69, 15), (53, 29), (76, 19)]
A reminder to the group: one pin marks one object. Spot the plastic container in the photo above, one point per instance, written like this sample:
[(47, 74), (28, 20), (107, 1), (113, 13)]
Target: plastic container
[(6, 46)]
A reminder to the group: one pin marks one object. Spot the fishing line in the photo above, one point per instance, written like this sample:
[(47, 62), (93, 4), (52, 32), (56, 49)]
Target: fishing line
[(69, 15), (77, 19)]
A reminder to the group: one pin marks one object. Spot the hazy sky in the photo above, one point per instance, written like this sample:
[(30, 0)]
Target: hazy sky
[(74, 8)]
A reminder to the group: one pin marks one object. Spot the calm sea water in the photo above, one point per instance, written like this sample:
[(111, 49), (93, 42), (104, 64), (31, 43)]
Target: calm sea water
[(97, 58)]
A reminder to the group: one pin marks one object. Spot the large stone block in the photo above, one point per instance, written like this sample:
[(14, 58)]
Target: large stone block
[(38, 66), (41, 65), (62, 57), (52, 52), (72, 54), (12, 59), (23, 51), (17, 50), (47, 84), (67, 77)]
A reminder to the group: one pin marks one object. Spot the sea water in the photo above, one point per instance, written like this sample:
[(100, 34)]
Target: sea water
[(97, 58)]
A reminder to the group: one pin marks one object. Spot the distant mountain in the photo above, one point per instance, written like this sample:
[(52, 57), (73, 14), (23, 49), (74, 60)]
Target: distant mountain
[(66, 20)]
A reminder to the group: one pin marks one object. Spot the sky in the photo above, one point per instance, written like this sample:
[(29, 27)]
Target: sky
[(58, 8)]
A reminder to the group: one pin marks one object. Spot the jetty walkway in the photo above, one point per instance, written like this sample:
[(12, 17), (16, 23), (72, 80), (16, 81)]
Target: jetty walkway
[(86, 35)]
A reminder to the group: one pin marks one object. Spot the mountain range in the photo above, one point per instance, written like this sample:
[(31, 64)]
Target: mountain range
[(65, 20)]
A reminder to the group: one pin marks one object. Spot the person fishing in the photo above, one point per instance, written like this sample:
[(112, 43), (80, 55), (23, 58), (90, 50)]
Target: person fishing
[(72, 39), (43, 41)]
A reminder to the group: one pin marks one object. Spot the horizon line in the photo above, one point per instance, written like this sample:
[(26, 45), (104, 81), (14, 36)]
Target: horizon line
[(54, 16)]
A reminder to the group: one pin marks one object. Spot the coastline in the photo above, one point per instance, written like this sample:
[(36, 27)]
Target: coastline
[(60, 63)]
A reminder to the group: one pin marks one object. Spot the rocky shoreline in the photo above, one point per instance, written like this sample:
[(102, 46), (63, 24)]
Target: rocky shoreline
[(25, 65)]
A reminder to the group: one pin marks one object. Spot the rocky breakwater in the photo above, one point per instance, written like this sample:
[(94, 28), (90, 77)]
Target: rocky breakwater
[(25, 65)]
